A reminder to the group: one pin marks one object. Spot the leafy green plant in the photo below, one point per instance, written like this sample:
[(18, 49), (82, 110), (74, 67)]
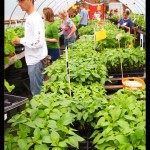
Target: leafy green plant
[(121, 124), (19, 31), (12, 33), (113, 18), (87, 30), (85, 42), (132, 58), (139, 20), (86, 99), (90, 69), (45, 123)]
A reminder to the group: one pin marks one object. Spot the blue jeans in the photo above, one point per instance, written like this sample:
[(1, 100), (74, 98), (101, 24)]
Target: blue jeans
[(54, 53), (36, 77), (70, 41)]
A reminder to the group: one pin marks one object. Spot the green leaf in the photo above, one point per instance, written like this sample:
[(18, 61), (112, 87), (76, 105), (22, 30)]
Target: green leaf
[(15, 118), (46, 139), (30, 124), (22, 143), (122, 139), (41, 113), (53, 78), (36, 134), (9, 48), (62, 144), (100, 113), (6, 60), (55, 137), (128, 117), (18, 64), (107, 131), (142, 147), (79, 116), (85, 116), (63, 128), (28, 146), (110, 148), (102, 146), (41, 147), (102, 119), (8, 87), (97, 138), (56, 148), (94, 133), (126, 146), (52, 124), (115, 113), (23, 130), (46, 102), (44, 132), (66, 119), (54, 116), (34, 103), (73, 142), (39, 122)]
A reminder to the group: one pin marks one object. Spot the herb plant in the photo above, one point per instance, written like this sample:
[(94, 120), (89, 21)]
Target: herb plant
[(85, 67), (133, 58), (121, 124), (44, 124)]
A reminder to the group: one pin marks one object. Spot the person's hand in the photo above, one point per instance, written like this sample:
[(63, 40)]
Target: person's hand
[(16, 41), (122, 26), (69, 36)]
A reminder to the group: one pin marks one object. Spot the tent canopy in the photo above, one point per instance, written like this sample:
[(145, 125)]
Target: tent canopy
[(13, 11)]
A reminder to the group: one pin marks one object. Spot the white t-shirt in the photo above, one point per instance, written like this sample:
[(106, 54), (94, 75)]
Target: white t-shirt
[(34, 39)]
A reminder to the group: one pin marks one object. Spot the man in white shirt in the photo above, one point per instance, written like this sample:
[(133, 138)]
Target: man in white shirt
[(35, 45)]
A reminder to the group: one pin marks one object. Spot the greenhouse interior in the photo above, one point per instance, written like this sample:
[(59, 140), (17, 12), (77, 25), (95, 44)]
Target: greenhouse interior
[(75, 75)]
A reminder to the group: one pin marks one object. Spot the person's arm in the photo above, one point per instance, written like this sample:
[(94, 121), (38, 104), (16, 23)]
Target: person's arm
[(38, 40), (73, 29), (128, 27), (55, 35)]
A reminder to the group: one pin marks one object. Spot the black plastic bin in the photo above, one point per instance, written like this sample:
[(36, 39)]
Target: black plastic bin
[(13, 104)]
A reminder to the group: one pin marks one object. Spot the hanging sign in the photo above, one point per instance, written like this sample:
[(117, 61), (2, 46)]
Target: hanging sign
[(74, 7), (98, 7)]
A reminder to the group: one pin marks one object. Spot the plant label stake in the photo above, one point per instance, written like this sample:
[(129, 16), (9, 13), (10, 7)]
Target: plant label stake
[(118, 36), (141, 41), (67, 70), (94, 37)]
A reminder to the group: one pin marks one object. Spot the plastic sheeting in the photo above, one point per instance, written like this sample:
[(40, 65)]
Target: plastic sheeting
[(13, 11), (136, 6)]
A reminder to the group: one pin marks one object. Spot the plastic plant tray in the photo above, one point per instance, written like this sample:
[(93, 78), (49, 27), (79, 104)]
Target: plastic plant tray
[(14, 100)]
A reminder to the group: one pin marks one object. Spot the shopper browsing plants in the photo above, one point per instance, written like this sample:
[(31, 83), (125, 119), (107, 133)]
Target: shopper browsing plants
[(68, 27), (126, 23), (51, 34)]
